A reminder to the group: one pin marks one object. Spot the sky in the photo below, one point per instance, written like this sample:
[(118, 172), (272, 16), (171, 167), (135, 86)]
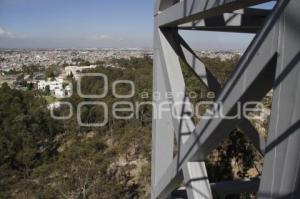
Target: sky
[(93, 24)]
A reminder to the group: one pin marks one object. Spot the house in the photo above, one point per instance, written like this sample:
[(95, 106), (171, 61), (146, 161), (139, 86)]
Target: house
[(76, 69), (56, 87)]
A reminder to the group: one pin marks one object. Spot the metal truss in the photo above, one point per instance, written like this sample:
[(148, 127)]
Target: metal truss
[(270, 62)]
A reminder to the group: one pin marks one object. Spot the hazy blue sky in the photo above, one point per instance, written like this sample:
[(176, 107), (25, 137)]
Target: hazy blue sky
[(92, 23)]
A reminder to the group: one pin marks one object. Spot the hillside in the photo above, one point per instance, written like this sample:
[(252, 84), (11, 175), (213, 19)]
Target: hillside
[(45, 158)]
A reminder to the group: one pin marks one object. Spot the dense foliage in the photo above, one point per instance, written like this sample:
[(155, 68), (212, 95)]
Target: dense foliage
[(45, 158), (25, 136)]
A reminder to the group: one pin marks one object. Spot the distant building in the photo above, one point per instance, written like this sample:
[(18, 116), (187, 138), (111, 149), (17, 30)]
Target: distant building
[(54, 105), (56, 87), (76, 69)]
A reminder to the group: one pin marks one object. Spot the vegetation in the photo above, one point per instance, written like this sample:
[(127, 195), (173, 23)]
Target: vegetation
[(45, 158), (12, 72), (81, 62), (32, 69), (50, 99), (49, 73), (26, 136)]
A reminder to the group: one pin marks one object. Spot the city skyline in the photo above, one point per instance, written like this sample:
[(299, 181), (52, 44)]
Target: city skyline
[(94, 24)]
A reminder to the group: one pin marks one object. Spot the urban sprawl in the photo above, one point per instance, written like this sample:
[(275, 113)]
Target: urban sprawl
[(20, 67)]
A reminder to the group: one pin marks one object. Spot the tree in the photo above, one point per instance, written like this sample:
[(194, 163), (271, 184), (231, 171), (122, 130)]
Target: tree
[(25, 126), (50, 73), (70, 76), (47, 90)]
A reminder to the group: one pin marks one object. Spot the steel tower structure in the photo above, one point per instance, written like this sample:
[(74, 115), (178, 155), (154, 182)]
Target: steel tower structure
[(271, 61)]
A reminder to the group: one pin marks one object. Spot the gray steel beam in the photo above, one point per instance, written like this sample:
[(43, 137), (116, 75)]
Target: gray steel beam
[(196, 180), (183, 124), (252, 79), (190, 10), (235, 29), (244, 21), (256, 68), (224, 188), (281, 170), (175, 84), (253, 12), (193, 61), (256, 63), (164, 4), (162, 130), (188, 56)]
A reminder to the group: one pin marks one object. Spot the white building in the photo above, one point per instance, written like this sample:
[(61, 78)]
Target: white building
[(56, 87), (54, 105), (76, 69)]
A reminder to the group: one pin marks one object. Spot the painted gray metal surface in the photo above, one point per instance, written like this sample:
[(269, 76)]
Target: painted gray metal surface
[(281, 176), (270, 62), (247, 20)]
